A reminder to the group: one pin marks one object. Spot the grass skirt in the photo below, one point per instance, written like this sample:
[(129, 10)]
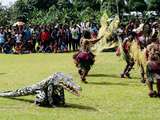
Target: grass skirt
[(84, 60)]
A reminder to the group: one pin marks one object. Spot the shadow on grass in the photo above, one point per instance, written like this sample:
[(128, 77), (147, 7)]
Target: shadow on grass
[(3, 73), (108, 83), (20, 99), (110, 76), (82, 107), (67, 105), (103, 75)]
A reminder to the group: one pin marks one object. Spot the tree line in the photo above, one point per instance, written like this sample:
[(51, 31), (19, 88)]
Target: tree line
[(71, 11)]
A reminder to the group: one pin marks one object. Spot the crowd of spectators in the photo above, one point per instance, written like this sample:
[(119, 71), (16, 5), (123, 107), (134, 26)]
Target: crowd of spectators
[(58, 38)]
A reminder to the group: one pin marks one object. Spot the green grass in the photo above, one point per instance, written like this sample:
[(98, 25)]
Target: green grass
[(106, 97)]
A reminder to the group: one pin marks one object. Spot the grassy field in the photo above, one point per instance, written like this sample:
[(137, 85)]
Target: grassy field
[(105, 97)]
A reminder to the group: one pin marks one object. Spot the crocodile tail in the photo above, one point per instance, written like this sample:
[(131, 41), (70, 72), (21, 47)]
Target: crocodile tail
[(19, 92)]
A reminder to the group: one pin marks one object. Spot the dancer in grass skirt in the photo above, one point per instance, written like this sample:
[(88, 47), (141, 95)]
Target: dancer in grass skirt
[(84, 59), (153, 66)]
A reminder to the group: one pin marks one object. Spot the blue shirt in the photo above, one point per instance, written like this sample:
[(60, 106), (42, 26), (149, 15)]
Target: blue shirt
[(27, 34), (2, 38)]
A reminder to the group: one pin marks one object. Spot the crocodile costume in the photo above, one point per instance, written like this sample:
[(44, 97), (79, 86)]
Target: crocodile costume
[(49, 92)]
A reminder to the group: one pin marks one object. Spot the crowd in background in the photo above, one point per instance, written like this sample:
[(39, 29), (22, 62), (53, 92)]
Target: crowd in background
[(23, 39), (58, 38)]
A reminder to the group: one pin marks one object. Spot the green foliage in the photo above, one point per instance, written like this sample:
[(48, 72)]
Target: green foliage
[(154, 5), (62, 11), (137, 5), (4, 16)]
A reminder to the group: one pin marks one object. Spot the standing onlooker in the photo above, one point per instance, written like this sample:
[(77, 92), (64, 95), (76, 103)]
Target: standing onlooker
[(75, 37), (2, 38), (44, 39), (69, 38), (18, 43), (8, 45), (54, 41), (62, 39), (94, 30)]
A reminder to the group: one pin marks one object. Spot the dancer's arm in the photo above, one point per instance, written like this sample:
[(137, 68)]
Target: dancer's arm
[(93, 41)]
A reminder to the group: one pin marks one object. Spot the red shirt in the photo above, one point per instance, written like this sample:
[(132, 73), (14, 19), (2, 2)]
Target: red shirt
[(44, 36)]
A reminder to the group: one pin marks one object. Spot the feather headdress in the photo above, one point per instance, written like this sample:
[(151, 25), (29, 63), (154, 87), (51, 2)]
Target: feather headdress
[(106, 31)]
